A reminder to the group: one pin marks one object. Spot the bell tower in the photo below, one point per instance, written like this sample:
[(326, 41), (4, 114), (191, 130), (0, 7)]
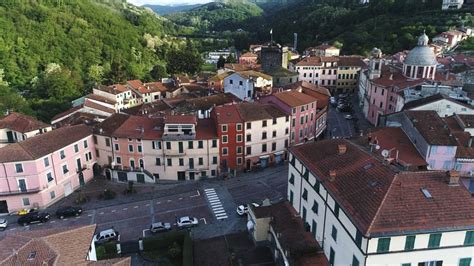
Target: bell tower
[(375, 64)]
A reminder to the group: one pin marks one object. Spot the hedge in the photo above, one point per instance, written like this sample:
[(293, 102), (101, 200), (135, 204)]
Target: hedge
[(187, 251), (163, 240)]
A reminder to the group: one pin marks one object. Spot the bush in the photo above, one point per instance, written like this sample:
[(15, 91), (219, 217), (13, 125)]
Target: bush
[(81, 199), (107, 194), (162, 241), (106, 251), (187, 251), (174, 250)]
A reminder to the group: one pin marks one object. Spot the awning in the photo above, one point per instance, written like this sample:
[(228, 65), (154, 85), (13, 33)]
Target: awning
[(264, 157)]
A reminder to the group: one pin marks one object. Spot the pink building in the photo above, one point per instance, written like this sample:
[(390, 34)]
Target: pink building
[(43, 169), (302, 108)]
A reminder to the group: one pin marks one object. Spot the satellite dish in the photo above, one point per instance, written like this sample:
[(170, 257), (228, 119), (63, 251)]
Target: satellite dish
[(377, 147), (385, 153)]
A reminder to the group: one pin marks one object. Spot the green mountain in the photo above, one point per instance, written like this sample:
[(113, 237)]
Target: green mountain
[(54, 51), (218, 16), (168, 9), (392, 25)]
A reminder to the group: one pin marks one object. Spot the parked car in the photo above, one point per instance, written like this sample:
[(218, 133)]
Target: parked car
[(160, 227), (187, 221), (344, 108), (33, 217), (68, 211), (3, 224), (243, 209), (333, 100), (106, 236)]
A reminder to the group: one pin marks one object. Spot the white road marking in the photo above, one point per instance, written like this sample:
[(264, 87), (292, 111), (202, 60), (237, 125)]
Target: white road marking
[(101, 213), (205, 222), (148, 204), (180, 198), (53, 221), (222, 217), (144, 232), (11, 229), (113, 210), (135, 207), (125, 209), (65, 219), (89, 215), (169, 200), (159, 202), (217, 209), (209, 189), (218, 212), (77, 217)]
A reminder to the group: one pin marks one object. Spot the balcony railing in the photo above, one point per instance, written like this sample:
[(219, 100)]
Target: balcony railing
[(174, 153), (17, 192), (178, 136)]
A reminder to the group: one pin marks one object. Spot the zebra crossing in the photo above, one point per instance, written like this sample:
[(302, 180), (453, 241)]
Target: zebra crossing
[(215, 203)]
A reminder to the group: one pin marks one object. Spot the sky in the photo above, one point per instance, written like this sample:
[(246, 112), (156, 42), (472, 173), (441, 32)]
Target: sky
[(167, 2)]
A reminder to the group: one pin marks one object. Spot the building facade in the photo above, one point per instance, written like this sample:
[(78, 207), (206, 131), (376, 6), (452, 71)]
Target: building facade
[(16, 127), (45, 168), (243, 84)]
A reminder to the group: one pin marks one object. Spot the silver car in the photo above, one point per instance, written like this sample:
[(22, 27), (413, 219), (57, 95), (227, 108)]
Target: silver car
[(160, 227), (3, 224), (187, 221)]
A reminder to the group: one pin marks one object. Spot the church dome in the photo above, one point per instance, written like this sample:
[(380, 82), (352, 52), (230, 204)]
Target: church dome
[(422, 54)]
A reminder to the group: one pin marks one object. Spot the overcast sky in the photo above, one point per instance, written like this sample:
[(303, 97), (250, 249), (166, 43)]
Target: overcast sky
[(167, 2)]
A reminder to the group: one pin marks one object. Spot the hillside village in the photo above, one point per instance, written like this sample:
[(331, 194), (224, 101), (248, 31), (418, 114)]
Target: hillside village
[(375, 157)]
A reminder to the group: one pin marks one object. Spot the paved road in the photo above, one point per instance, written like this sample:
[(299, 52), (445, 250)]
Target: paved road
[(133, 218), (340, 127)]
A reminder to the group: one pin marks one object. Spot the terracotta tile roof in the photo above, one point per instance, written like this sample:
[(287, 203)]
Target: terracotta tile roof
[(329, 58), (204, 103), (293, 236), (356, 61), (99, 107), (67, 112), (257, 111), (158, 86), (252, 74), (237, 67), (405, 208), (113, 89), (433, 129), (139, 127), (135, 83), (220, 77), (206, 129), (180, 119), (149, 109), (361, 181), (80, 118), (394, 138), (109, 125), (432, 99), (227, 114), (310, 61), (295, 98), (467, 120), (21, 123), (67, 246), (380, 201), (249, 54), (100, 99), (393, 77), (463, 150), (44, 144)]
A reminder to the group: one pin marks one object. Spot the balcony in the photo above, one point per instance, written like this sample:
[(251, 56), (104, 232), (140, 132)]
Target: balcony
[(179, 136), (18, 192)]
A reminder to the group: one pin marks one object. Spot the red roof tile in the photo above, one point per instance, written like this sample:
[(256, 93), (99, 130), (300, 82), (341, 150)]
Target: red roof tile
[(310, 61), (248, 54), (206, 129), (433, 129), (294, 98), (389, 138), (100, 99), (356, 61), (44, 144), (227, 114), (21, 123), (114, 89), (67, 112), (139, 127), (393, 77)]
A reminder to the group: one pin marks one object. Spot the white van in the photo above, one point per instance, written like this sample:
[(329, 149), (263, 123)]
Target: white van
[(105, 236)]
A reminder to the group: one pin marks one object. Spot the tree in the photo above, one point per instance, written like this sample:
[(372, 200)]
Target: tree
[(231, 59), (59, 84), (158, 72), (184, 61), (96, 73), (11, 100), (220, 62)]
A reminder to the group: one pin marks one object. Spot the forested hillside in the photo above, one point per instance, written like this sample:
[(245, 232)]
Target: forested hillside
[(168, 9), (54, 51), (218, 16), (391, 25)]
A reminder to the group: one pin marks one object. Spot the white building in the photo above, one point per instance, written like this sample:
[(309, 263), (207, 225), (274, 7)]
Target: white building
[(243, 84), (213, 57), (16, 127), (365, 212), (443, 105), (452, 4), (118, 95)]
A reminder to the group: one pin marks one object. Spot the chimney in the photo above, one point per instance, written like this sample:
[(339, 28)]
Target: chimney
[(332, 175), (453, 178), (469, 144), (342, 148)]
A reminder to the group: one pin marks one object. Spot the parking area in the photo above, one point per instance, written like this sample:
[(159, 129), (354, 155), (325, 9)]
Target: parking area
[(348, 121)]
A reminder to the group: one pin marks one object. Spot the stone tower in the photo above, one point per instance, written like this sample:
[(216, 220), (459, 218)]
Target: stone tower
[(375, 64)]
